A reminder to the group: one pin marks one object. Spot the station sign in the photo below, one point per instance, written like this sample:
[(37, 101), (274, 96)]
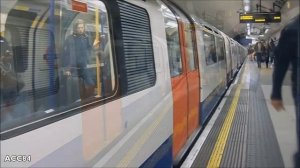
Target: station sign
[(268, 17), (79, 6)]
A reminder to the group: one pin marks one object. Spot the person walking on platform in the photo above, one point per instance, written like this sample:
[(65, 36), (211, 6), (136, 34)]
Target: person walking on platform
[(267, 55), (272, 49), (259, 50), (287, 52), (251, 53)]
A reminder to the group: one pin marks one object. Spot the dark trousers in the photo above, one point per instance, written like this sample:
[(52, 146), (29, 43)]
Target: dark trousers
[(258, 59), (267, 61), (297, 100), (272, 57)]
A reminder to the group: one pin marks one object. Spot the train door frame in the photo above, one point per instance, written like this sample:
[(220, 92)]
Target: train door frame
[(221, 73), (180, 99), (228, 60), (193, 75), (190, 79)]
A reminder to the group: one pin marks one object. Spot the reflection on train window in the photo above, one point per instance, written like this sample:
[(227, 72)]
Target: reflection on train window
[(210, 49), (189, 47), (59, 59), (220, 49), (172, 34)]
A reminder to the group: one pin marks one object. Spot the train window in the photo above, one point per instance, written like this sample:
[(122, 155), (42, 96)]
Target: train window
[(66, 56), (220, 49), (172, 34), (191, 57), (210, 48), (138, 49)]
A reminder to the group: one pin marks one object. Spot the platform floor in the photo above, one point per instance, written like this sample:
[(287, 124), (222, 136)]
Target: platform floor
[(245, 130)]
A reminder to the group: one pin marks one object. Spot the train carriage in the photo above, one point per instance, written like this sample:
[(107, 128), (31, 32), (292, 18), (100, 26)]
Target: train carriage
[(151, 78)]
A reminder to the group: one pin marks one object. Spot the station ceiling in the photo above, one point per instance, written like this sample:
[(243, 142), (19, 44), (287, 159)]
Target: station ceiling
[(224, 14)]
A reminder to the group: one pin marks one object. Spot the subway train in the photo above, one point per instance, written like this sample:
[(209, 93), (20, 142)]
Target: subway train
[(133, 87)]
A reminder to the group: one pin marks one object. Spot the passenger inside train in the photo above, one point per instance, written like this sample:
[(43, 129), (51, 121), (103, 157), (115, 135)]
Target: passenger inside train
[(11, 83), (148, 83), (75, 57), (54, 65)]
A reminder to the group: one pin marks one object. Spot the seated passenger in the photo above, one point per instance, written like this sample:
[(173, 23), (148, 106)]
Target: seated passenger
[(10, 83)]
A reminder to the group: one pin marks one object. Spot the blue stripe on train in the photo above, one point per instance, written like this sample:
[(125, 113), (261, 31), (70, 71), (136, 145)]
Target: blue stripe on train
[(208, 105), (162, 157)]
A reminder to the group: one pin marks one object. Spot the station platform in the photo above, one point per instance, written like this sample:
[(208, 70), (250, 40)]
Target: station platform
[(245, 130)]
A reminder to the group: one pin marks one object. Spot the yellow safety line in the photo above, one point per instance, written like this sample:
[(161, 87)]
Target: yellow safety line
[(216, 156), (129, 156)]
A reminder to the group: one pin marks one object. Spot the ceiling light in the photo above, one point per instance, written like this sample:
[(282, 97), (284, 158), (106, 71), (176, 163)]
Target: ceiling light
[(288, 4), (266, 31), (171, 24)]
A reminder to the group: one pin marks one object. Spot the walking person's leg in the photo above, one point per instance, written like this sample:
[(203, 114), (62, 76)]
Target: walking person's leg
[(258, 59), (297, 154)]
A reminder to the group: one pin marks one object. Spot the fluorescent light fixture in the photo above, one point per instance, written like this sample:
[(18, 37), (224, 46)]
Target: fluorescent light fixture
[(168, 14), (251, 37), (288, 4), (266, 31), (163, 7), (171, 24), (49, 111)]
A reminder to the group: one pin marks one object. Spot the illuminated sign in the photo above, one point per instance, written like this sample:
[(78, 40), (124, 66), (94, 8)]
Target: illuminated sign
[(79, 6), (260, 17)]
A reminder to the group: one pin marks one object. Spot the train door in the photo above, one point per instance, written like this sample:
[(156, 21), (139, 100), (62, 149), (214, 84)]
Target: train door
[(184, 77), (220, 45), (192, 74), (233, 58), (228, 60), (178, 80)]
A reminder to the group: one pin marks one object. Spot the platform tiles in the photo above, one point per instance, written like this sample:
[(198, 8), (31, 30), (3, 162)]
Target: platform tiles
[(243, 134)]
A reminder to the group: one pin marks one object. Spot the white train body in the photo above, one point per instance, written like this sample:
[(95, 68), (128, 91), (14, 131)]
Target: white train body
[(151, 96)]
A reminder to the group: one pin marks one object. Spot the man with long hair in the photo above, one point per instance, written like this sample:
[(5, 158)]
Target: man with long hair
[(76, 51)]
